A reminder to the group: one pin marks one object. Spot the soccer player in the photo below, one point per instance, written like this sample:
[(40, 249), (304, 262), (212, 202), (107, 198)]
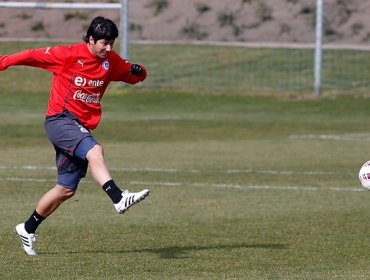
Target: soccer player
[(81, 74)]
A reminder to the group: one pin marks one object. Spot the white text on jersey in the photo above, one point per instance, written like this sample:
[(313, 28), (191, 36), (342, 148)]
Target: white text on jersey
[(81, 82)]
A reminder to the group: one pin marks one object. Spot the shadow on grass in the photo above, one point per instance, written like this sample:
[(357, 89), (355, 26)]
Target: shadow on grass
[(177, 252), (181, 252)]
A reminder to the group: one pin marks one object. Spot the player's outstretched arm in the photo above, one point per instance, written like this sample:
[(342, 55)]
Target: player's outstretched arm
[(3, 65), (50, 58), (18, 58)]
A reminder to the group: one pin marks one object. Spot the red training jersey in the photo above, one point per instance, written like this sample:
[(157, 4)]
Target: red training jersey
[(79, 78)]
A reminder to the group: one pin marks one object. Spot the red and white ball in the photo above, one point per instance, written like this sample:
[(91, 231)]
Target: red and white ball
[(364, 175)]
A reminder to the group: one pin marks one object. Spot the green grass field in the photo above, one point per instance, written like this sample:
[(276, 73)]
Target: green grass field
[(242, 187), (230, 70)]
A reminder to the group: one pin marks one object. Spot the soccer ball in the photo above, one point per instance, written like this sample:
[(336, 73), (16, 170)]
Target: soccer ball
[(364, 175)]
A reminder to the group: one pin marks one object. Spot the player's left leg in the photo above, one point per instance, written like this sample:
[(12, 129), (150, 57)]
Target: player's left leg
[(122, 200)]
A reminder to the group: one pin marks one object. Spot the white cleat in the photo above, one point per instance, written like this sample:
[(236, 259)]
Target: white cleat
[(129, 199), (27, 239)]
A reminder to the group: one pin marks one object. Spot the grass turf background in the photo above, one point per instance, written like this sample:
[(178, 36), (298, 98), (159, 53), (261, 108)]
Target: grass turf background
[(243, 187)]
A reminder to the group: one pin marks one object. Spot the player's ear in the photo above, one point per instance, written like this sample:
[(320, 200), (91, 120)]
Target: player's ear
[(91, 40)]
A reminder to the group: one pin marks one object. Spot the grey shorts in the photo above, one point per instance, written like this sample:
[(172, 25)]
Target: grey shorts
[(71, 141)]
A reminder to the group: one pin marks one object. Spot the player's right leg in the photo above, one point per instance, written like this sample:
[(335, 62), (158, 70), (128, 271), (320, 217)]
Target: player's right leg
[(65, 133), (48, 203), (27, 239), (51, 200)]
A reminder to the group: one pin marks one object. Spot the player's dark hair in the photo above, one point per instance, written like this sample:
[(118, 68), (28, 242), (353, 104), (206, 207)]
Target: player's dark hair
[(101, 28)]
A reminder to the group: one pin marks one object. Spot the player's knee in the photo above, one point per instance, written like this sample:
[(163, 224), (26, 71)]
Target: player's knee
[(65, 193), (96, 153), (69, 193)]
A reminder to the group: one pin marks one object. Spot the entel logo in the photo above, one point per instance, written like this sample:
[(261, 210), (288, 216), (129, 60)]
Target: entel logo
[(81, 82)]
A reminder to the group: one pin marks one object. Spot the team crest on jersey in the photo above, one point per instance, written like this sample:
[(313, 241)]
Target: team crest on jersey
[(106, 64)]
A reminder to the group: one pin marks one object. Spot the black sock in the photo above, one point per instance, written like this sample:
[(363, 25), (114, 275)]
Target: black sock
[(112, 191), (33, 222)]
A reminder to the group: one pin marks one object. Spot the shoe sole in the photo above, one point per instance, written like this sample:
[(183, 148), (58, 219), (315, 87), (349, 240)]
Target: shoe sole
[(137, 201)]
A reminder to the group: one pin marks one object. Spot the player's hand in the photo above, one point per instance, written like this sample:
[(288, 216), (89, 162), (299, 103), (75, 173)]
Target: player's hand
[(136, 69)]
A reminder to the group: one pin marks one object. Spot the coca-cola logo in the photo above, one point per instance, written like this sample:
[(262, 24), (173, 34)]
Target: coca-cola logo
[(87, 97)]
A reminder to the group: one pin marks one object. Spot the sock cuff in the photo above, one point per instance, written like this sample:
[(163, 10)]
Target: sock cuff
[(38, 216), (33, 222), (109, 183), (112, 191)]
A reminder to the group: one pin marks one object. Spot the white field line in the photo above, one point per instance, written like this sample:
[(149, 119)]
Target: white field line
[(30, 180), (179, 184), (338, 137), (176, 170), (217, 186), (247, 187), (27, 167)]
